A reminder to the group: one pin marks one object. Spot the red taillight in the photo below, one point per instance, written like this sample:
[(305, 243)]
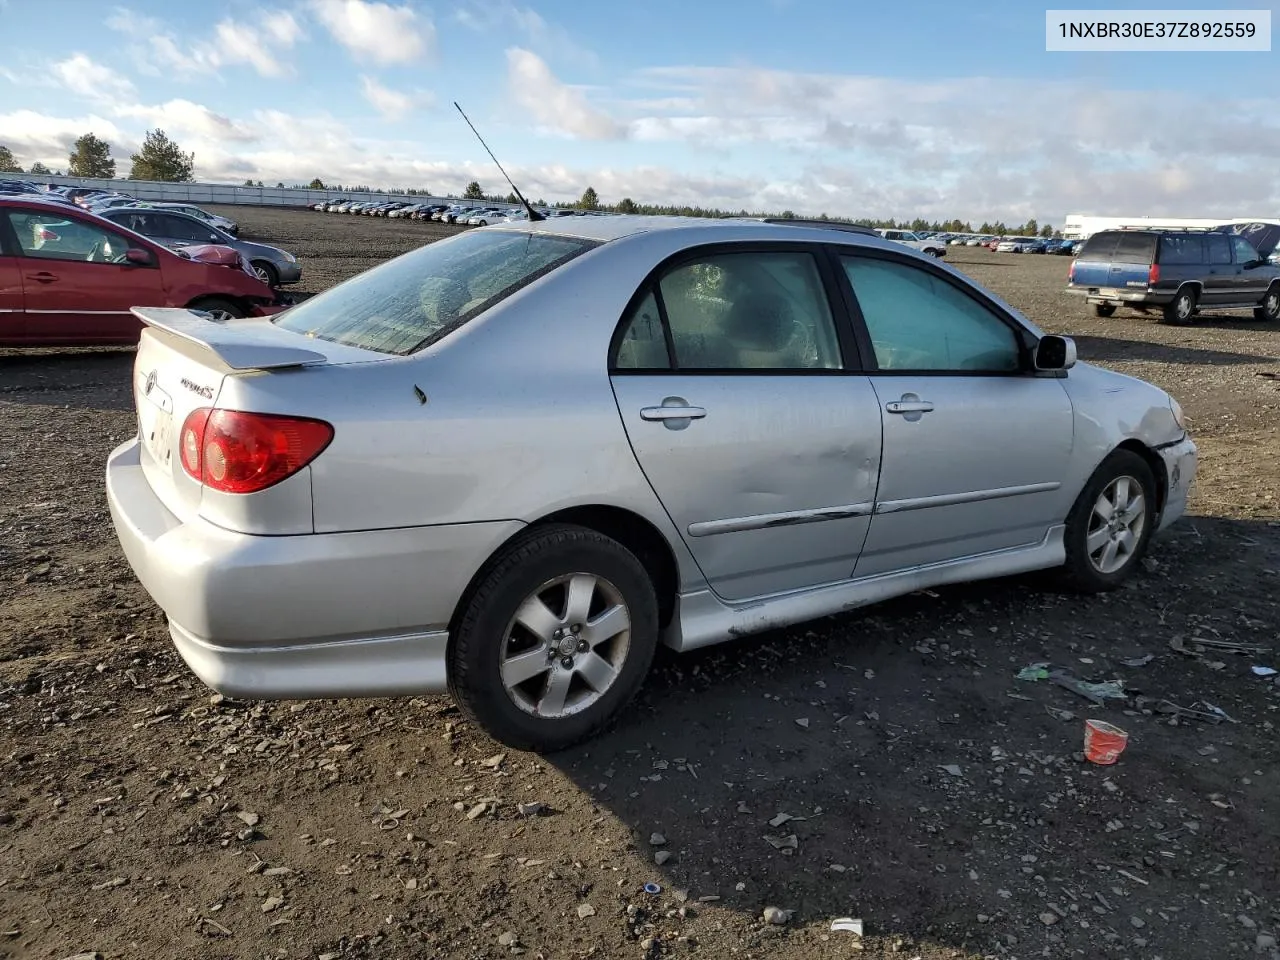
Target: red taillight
[(1153, 275), (1071, 272), (237, 452), (47, 234)]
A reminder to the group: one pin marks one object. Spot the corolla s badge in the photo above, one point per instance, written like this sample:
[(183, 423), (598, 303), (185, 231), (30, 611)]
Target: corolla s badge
[(206, 392)]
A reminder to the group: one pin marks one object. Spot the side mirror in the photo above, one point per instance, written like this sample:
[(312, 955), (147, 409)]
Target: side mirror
[(1055, 353), (139, 257)]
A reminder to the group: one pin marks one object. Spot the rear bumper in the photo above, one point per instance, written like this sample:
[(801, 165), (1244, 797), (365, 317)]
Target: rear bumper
[(369, 667), (282, 617), (1144, 296), (1180, 463)]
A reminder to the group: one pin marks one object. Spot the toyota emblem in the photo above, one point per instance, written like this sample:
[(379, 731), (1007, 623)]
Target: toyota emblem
[(151, 382)]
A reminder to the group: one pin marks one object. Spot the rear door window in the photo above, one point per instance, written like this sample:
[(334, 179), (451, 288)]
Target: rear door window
[(1219, 248), (1182, 249), (183, 228)]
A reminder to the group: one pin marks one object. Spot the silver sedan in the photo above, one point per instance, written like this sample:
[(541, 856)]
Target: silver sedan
[(511, 463)]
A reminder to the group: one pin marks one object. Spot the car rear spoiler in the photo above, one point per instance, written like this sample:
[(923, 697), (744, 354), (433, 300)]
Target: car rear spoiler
[(240, 344)]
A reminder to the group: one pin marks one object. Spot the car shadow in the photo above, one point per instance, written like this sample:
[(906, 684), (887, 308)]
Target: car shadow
[(888, 765), (1114, 348)]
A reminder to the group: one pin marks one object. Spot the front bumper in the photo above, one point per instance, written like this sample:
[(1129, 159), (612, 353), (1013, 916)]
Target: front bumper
[(282, 301), (288, 272), (360, 614), (1180, 464)]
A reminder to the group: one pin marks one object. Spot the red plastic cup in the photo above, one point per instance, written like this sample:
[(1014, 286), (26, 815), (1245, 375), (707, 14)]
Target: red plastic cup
[(1103, 742)]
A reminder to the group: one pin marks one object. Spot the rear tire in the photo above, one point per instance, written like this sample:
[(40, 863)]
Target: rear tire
[(555, 640), (219, 307), (1110, 524), (1270, 309), (1104, 309), (1182, 308)]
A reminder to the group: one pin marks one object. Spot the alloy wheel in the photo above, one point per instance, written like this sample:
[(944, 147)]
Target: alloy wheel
[(565, 646), (1116, 525)]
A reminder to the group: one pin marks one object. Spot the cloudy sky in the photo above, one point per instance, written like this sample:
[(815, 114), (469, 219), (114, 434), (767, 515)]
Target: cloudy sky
[(936, 109)]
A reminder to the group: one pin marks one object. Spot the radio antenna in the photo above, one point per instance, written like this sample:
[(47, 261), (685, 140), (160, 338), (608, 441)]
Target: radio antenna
[(533, 214)]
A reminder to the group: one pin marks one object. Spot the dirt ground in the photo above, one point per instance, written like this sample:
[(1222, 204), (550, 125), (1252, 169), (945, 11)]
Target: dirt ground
[(931, 794)]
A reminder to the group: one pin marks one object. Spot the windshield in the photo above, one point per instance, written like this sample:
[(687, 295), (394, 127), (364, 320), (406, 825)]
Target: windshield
[(414, 300)]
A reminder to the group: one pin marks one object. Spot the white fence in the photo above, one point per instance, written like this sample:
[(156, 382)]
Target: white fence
[(227, 193)]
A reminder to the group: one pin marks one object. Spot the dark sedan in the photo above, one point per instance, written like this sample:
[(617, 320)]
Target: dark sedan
[(274, 267)]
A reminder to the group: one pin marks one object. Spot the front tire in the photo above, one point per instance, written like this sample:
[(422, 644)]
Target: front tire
[(220, 308), (555, 639), (1110, 524), (1270, 309), (266, 273), (1104, 309), (1182, 308)]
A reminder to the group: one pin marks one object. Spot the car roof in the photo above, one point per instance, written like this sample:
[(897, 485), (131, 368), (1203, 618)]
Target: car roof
[(23, 199), (616, 227), (138, 208)]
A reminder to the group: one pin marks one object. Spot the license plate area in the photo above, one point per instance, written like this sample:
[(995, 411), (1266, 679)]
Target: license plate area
[(155, 422)]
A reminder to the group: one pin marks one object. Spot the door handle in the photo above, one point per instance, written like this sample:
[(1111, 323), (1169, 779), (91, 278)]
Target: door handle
[(43, 277), (909, 406), (675, 413), (672, 413)]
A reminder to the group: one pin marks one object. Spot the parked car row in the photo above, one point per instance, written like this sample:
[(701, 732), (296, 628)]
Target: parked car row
[(1001, 244), (461, 213), (99, 201), (174, 225), (69, 277)]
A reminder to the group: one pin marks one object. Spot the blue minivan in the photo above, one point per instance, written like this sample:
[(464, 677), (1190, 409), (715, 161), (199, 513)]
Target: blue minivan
[(1175, 272)]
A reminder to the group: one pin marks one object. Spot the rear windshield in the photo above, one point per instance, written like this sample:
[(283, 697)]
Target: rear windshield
[(1120, 246), (412, 301)]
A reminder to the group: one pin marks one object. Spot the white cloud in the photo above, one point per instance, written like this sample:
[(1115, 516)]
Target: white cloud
[(555, 104), (255, 44), (393, 104), (758, 139), (547, 39), (282, 28), (91, 80), (262, 43), (184, 117), (34, 136), (377, 31)]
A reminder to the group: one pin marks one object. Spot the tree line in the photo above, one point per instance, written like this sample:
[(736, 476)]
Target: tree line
[(160, 158)]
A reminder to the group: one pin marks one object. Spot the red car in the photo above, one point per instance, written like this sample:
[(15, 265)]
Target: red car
[(68, 278)]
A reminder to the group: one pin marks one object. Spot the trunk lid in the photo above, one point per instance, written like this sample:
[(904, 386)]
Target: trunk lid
[(182, 362)]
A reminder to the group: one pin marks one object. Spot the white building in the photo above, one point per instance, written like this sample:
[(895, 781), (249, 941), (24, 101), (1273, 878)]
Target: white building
[(1080, 227)]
